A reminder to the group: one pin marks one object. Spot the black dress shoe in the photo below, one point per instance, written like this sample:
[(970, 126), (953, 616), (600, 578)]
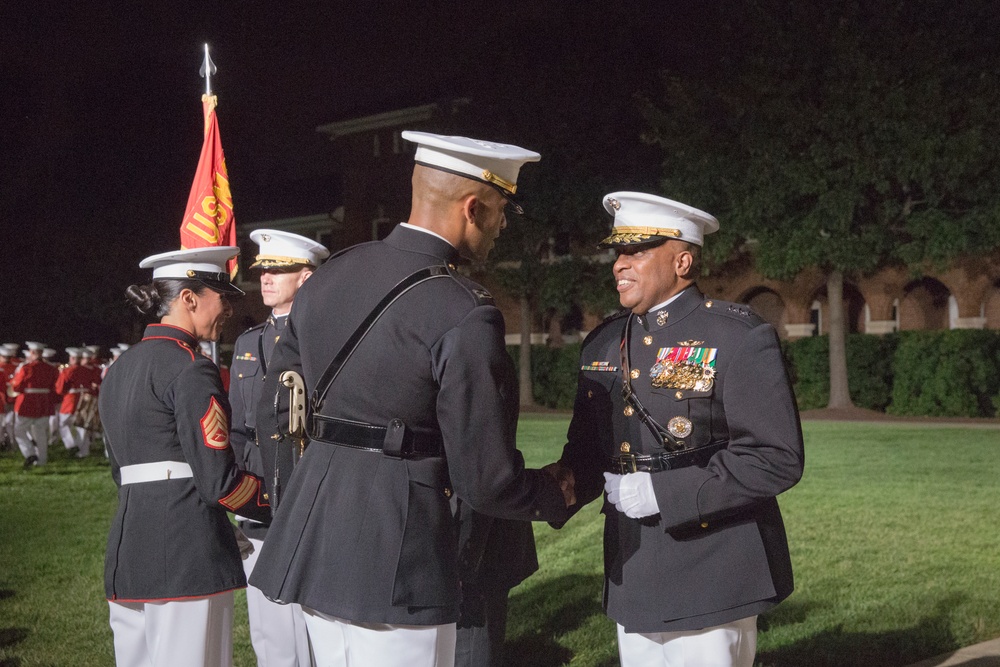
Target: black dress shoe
[(30, 461)]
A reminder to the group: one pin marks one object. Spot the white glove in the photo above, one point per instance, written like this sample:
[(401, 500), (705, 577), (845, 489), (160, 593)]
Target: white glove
[(612, 483), (635, 496)]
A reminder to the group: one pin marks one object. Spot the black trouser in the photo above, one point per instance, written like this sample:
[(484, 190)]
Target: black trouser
[(481, 628)]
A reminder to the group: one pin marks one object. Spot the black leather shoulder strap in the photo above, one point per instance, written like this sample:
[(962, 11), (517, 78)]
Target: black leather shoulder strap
[(403, 286), (670, 443)]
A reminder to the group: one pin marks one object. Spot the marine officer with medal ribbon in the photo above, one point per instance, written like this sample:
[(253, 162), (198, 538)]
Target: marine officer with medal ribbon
[(285, 262), (685, 417)]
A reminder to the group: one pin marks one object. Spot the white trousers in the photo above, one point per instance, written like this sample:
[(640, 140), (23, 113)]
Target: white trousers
[(340, 643), (74, 436), (194, 633), (730, 645), (7, 423), (53, 428), (277, 631), (38, 442)]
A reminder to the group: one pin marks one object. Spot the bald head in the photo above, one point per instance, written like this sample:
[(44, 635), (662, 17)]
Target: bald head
[(467, 213)]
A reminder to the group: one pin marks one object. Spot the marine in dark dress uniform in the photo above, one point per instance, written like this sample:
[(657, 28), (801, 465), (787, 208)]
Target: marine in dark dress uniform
[(425, 407), (694, 545), (285, 262), (172, 560)]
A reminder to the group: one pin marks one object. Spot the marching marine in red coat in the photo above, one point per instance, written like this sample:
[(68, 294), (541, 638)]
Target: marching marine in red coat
[(8, 366), (34, 382), (75, 382)]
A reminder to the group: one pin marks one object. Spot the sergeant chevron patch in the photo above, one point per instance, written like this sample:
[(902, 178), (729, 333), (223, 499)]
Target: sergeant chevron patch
[(244, 492), (215, 427)]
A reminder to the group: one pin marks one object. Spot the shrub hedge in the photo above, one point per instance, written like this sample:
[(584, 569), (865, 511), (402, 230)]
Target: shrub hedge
[(932, 373)]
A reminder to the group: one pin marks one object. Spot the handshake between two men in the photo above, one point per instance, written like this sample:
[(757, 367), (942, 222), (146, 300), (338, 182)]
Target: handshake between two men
[(631, 494)]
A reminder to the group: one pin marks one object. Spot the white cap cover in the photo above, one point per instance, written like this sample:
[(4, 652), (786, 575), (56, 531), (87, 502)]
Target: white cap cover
[(643, 218), (279, 250), (486, 161), (205, 264)]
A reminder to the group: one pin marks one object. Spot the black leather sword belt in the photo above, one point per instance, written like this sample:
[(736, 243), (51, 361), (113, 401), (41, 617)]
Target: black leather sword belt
[(699, 456), (395, 440)]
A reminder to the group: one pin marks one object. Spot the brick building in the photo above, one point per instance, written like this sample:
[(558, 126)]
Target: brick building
[(374, 173)]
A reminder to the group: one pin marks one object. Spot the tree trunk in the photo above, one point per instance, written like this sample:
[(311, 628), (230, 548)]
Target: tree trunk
[(840, 395), (555, 330), (524, 356)]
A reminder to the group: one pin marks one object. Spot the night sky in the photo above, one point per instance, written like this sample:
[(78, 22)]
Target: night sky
[(100, 113)]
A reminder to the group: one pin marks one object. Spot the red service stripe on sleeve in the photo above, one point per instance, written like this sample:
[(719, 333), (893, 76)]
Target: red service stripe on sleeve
[(215, 427), (245, 491)]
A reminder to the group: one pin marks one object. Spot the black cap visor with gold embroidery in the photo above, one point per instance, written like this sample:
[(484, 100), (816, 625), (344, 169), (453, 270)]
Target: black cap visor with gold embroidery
[(634, 237), (279, 263)]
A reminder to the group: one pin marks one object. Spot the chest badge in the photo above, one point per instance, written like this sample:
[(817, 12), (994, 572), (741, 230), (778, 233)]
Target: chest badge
[(690, 368), (604, 366), (679, 427)]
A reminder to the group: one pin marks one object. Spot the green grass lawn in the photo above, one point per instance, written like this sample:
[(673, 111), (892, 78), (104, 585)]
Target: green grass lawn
[(893, 535)]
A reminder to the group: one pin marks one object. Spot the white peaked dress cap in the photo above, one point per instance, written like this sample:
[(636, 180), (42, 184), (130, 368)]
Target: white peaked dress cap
[(32, 345), (73, 351), (280, 250), (642, 218), (486, 161), (205, 264), (48, 353)]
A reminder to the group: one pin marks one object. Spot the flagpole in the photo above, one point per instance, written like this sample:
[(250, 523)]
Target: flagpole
[(207, 69)]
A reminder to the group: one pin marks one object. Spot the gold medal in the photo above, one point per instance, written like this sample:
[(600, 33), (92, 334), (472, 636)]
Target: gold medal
[(679, 427)]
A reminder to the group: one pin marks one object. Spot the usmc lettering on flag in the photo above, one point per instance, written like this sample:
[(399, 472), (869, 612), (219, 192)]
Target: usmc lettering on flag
[(215, 427)]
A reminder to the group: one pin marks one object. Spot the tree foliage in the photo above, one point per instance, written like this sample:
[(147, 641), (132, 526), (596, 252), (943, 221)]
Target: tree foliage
[(842, 135)]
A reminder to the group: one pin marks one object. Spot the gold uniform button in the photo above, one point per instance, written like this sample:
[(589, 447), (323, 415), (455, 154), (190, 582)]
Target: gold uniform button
[(635, 374), (241, 375), (708, 304), (626, 448), (629, 410), (679, 395), (447, 492), (648, 340), (704, 524), (267, 497), (590, 394)]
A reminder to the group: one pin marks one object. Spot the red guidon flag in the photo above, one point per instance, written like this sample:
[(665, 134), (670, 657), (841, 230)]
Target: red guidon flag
[(208, 219)]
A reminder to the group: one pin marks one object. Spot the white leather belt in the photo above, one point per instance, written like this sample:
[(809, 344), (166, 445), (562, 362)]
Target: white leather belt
[(78, 390), (154, 472), (35, 391)]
